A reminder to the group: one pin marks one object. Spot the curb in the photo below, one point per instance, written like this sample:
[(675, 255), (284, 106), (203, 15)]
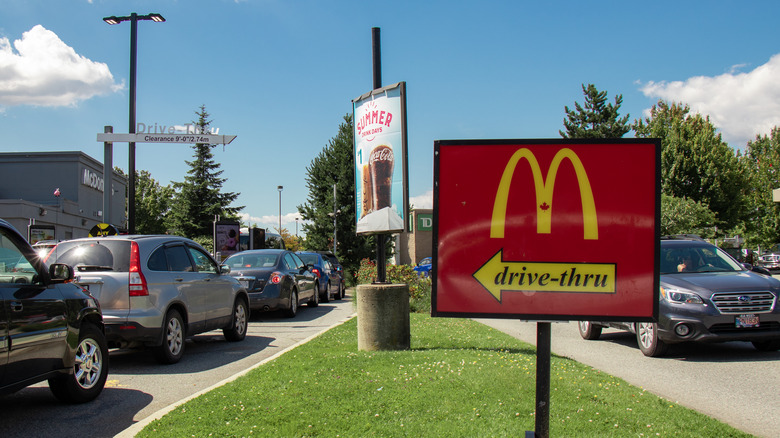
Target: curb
[(131, 431)]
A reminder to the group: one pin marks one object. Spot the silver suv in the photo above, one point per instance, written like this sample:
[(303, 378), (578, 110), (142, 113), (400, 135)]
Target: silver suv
[(156, 290)]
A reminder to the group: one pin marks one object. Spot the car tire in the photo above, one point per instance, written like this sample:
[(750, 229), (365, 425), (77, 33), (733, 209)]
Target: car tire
[(338, 295), (647, 338), (293, 309), (172, 348), (589, 331), (90, 369), (325, 298), (766, 345), (314, 301), (240, 322)]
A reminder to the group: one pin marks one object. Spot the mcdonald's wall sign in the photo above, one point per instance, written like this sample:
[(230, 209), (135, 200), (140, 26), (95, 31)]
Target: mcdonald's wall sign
[(547, 229)]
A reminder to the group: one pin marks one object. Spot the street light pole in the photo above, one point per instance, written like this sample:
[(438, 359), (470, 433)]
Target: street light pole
[(335, 213), (280, 188), (133, 19)]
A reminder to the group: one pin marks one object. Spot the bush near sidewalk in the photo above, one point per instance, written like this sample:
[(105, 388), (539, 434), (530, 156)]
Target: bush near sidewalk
[(419, 287), (460, 378)]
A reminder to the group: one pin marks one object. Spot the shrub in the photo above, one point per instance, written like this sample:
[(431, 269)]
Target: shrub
[(419, 287)]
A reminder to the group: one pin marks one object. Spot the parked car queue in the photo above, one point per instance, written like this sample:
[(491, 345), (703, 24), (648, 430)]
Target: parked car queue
[(116, 292)]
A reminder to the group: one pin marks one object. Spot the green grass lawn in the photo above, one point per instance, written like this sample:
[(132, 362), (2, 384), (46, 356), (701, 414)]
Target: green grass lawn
[(460, 379)]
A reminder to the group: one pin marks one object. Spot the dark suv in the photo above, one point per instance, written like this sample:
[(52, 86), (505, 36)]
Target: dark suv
[(705, 296), (155, 291), (49, 328)]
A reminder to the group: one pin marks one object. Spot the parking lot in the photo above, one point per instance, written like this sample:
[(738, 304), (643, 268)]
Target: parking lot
[(138, 387)]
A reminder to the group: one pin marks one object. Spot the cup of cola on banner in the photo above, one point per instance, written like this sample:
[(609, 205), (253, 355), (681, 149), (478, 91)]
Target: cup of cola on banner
[(377, 191)]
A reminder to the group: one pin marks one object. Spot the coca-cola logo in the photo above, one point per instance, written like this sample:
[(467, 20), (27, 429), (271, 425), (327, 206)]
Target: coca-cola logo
[(381, 153)]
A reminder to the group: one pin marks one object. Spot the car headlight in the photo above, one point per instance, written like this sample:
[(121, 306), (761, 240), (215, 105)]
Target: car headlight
[(680, 296)]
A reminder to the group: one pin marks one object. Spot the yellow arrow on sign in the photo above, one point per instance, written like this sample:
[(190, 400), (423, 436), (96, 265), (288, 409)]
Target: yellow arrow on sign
[(498, 275)]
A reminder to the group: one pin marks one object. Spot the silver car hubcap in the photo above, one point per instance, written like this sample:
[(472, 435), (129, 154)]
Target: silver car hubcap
[(240, 319), (89, 363), (646, 332), (175, 336)]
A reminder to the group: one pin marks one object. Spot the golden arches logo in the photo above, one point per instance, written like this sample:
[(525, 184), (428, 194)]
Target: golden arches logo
[(544, 193)]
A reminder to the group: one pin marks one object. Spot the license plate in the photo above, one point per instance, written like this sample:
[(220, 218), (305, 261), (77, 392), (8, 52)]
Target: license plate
[(745, 321)]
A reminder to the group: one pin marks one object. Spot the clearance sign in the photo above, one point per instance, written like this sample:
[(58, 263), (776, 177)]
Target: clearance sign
[(547, 229)]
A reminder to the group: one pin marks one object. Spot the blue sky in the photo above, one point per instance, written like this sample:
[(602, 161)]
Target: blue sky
[(281, 75)]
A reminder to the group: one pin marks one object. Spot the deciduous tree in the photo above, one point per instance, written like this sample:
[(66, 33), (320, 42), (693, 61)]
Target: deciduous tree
[(761, 162), (696, 163)]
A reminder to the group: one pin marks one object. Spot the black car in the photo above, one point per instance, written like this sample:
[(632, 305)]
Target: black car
[(705, 296), (50, 329), (276, 279)]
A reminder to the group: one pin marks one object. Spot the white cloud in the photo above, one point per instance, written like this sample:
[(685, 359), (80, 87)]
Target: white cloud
[(44, 71), (422, 201), (272, 221), (741, 105)]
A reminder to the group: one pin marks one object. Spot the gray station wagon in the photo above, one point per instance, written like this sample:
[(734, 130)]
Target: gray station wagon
[(155, 291)]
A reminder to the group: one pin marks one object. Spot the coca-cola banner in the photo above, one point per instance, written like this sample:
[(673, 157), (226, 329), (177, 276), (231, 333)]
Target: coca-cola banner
[(382, 193)]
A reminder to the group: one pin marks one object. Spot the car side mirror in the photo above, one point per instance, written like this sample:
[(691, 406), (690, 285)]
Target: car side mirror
[(224, 269), (61, 273)]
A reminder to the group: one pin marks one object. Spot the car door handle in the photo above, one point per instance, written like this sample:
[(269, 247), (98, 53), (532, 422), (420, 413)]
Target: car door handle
[(16, 306), (178, 279)]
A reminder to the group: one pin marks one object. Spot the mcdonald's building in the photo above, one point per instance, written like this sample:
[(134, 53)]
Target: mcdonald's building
[(58, 194)]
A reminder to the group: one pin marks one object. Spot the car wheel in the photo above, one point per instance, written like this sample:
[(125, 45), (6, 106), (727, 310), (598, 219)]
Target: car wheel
[(314, 301), (647, 338), (766, 345), (237, 330), (172, 348), (89, 372), (326, 296), (589, 331), (293, 310)]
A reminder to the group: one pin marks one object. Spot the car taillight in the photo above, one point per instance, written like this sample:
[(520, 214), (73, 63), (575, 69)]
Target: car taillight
[(276, 278), (316, 271), (137, 284)]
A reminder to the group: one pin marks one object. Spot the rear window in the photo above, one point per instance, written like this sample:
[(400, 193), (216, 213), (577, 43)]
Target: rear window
[(309, 259), (251, 260), (104, 255)]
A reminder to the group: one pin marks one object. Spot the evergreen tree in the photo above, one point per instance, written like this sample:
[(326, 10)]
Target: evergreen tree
[(597, 119), (335, 165), (695, 162), (199, 198)]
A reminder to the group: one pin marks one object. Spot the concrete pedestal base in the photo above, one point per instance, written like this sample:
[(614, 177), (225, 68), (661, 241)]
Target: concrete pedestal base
[(383, 317)]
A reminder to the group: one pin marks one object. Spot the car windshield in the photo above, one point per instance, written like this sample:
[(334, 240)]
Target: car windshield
[(249, 260), (696, 258)]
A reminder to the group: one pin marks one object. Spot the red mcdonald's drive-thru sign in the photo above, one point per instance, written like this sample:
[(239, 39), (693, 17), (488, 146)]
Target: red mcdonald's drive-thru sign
[(547, 229)]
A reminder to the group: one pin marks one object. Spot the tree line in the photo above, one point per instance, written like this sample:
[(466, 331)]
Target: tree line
[(707, 187)]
